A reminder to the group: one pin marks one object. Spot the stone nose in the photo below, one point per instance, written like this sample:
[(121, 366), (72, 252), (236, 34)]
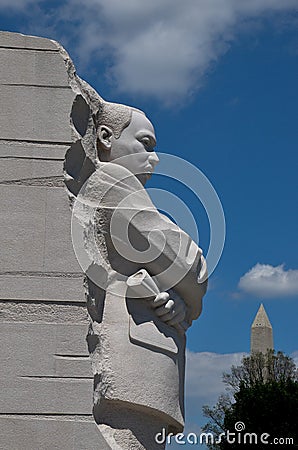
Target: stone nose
[(153, 159)]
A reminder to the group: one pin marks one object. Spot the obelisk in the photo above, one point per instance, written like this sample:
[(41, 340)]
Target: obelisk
[(261, 338)]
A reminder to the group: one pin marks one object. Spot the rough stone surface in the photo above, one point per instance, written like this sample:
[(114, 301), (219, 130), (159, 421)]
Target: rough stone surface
[(35, 224), (21, 41), (59, 146), (27, 110), (31, 150), (143, 291), (39, 68), (18, 169), (42, 287), (46, 380), (50, 433), (51, 372)]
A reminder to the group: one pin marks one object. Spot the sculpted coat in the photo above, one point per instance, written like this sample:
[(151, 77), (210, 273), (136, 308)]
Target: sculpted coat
[(145, 277)]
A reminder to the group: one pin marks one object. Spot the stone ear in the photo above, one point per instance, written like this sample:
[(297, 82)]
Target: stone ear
[(104, 135)]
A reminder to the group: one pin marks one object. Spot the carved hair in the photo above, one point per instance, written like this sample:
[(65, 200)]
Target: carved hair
[(115, 116), (89, 111)]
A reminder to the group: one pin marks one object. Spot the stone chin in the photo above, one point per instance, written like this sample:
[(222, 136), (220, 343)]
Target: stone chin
[(144, 177)]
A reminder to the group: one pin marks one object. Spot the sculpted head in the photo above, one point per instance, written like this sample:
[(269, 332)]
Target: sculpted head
[(125, 136)]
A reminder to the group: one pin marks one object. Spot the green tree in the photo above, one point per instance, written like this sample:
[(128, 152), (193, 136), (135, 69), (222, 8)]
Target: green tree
[(262, 395)]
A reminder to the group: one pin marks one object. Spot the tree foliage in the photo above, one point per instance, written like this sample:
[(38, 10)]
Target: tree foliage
[(261, 368), (262, 394)]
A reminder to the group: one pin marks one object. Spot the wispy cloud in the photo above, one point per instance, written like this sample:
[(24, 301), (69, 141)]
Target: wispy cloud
[(164, 48), (204, 378), (268, 281), (159, 48), (204, 384), (15, 5)]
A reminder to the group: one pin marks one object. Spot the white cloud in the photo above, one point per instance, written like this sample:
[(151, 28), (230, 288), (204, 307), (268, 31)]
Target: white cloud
[(16, 4), (204, 384), (162, 48), (204, 378), (265, 280), (158, 48)]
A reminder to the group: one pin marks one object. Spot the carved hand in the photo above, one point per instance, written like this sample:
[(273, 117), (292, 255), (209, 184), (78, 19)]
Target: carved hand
[(172, 310)]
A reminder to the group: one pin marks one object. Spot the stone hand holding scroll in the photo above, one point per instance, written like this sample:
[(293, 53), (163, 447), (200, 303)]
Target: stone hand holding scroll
[(169, 310)]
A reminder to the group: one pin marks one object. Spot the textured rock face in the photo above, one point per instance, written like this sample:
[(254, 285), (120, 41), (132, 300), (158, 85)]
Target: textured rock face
[(53, 131), (137, 357), (45, 377)]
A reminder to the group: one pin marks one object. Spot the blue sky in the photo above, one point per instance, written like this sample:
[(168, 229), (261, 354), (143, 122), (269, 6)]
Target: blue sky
[(218, 79)]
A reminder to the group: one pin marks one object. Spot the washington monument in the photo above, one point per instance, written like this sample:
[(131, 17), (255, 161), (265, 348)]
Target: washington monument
[(261, 338)]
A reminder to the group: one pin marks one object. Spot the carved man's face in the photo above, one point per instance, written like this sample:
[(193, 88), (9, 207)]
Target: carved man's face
[(134, 149)]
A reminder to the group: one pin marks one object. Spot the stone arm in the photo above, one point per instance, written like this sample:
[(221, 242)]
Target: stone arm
[(176, 263), (142, 238)]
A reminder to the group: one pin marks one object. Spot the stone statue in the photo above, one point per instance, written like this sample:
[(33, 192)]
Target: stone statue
[(145, 279)]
